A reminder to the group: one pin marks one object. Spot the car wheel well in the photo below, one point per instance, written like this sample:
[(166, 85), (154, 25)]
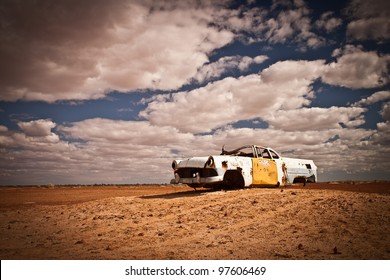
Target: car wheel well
[(304, 180), (234, 179)]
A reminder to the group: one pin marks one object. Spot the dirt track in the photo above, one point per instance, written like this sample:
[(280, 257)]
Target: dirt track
[(318, 221)]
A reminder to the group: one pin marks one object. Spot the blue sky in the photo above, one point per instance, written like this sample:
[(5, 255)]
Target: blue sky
[(113, 91)]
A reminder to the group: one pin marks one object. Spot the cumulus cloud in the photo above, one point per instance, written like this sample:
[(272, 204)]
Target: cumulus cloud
[(37, 128), (284, 85), (286, 21), (378, 96), (356, 68), (332, 149), (72, 51), (370, 20), (35, 137), (304, 119), (91, 151), (328, 22), (3, 128), (67, 50), (111, 151), (293, 24), (382, 136), (124, 132), (385, 112), (225, 64)]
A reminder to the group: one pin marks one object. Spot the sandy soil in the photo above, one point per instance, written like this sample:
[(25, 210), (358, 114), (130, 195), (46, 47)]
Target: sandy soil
[(318, 221)]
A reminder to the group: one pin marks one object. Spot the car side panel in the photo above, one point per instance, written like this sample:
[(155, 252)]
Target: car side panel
[(300, 168), (241, 164)]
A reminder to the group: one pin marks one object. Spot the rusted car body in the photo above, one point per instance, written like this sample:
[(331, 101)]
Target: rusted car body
[(243, 167)]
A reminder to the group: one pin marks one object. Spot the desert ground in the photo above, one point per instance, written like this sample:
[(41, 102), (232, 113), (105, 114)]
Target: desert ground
[(316, 221)]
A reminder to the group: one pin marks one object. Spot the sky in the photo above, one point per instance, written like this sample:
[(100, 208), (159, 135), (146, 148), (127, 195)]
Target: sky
[(110, 92)]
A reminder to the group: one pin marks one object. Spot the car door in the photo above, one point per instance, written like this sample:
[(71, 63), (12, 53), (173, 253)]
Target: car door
[(264, 169)]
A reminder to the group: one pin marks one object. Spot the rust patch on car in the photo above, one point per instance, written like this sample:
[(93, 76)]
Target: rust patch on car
[(224, 164)]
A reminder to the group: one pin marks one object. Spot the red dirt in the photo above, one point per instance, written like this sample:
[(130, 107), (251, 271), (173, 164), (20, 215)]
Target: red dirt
[(318, 221)]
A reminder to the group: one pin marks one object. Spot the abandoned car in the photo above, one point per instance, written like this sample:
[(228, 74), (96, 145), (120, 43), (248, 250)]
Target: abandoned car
[(243, 167)]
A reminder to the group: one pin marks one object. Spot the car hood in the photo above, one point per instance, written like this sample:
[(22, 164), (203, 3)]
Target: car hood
[(197, 162)]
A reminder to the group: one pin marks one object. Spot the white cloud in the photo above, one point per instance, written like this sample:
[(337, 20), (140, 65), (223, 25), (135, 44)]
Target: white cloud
[(225, 64), (370, 28), (278, 139), (242, 19), (78, 52), (356, 68), (328, 22), (370, 20), (124, 132), (293, 70), (37, 128), (63, 52), (3, 128), (106, 151), (385, 112), (347, 152), (113, 151), (304, 119), (286, 21), (284, 85), (374, 98), (293, 24), (35, 137), (382, 136)]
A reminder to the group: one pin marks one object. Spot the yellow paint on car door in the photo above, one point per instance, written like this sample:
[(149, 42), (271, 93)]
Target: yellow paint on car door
[(264, 171)]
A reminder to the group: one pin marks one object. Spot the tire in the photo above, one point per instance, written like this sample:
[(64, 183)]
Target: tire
[(300, 180), (233, 180)]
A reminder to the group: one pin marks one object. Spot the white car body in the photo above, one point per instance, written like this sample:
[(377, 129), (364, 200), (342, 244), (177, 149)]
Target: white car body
[(243, 167)]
